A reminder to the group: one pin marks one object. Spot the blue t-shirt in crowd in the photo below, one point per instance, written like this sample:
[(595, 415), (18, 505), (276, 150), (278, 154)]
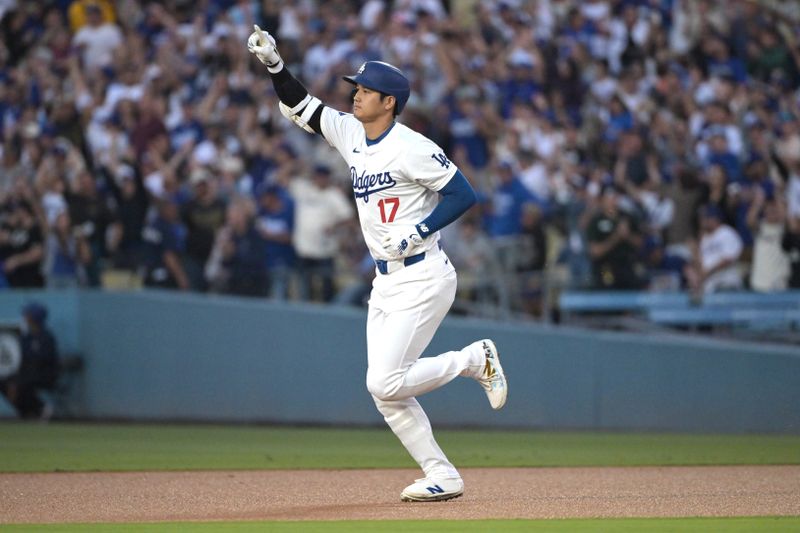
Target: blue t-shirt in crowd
[(64, 264), (278, 254), (162, 236), (260, 168), (729, 162), (513, 90), (617, 125), (464, 132), (732, 68), (507, 202), (190, 130)]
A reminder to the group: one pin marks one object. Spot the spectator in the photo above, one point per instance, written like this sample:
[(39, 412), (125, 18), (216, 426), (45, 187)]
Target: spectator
[(720, 154), (357, 291), (470, 127), (132, 203), (98, 39), (720, 63), (533, 256), (665, 268), (619, 120), (149, 124), (320, 207), (508, 199), (79, 10), (790, 243), (21, 247), (755, 184), (38, 366), (614, 241), (793, 190), (66, 254), (523, 84), (770, 58), (203, 215), (479, 272), (504, 224), (275, 224), (236, 265), (717, 191), (714, 266), (766, 217), (165, 249), (91, 215), (686, 193)]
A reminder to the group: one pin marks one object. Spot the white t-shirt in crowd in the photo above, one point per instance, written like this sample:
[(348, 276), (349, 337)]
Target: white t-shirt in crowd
[(98, 44), (720, 245), (317, 212), (770, 270)]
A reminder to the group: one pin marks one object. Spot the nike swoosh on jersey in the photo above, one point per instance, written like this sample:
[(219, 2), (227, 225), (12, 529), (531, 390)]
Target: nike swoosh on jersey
[(356, 151)]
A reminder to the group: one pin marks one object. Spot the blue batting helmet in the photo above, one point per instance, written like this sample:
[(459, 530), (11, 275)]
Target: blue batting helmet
[(385, 78)]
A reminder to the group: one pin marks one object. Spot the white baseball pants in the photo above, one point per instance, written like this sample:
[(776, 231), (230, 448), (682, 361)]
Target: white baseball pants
[(405, 309)]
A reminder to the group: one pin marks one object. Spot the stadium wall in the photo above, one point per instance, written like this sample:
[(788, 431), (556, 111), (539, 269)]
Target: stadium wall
[(163, 356)]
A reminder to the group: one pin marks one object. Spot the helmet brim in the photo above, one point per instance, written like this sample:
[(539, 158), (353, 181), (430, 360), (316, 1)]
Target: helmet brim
[(359, 79)]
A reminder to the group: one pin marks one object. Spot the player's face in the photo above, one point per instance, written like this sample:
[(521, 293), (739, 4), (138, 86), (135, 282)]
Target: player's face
[(368, 105)]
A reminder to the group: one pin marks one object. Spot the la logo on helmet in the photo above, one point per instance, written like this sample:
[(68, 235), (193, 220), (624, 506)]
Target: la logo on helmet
[(361, 70)]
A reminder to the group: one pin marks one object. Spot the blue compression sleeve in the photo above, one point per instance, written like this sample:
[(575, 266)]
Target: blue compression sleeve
[(457, 196)]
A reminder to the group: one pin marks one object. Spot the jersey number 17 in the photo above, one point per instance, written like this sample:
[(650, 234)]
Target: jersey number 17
[(382, 205)]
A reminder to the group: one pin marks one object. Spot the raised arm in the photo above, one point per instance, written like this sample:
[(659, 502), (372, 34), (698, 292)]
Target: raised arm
[(295, 102)]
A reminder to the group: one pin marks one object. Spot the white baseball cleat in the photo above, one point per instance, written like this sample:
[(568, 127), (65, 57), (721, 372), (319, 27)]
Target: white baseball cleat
[(493, 379), (433, 490)]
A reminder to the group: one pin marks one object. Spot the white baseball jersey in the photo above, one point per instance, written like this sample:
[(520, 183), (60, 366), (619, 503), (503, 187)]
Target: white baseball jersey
[(394, 180)]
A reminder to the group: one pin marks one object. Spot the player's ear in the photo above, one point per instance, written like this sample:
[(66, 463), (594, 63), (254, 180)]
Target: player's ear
[(389, 102)]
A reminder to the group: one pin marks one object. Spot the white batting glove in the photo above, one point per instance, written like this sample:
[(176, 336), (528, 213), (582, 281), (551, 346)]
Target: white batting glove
[(402, 242), (262, 44)]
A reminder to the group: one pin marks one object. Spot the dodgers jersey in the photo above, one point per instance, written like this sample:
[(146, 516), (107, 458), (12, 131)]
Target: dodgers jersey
[(395, 181)]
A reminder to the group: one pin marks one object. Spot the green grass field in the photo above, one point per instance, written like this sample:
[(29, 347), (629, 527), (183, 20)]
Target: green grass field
[(126, 447), (119, 447)]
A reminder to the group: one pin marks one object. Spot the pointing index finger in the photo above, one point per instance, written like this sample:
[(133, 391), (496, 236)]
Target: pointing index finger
[(261, 37)]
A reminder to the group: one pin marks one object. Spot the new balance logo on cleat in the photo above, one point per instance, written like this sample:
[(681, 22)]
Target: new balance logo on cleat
[(436, 489), (433, 490)]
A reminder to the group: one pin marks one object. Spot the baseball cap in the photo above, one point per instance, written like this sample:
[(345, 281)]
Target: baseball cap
[(322, 169), (35, 312)]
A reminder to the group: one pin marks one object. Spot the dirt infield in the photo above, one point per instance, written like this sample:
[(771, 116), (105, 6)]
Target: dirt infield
[(374, 494)]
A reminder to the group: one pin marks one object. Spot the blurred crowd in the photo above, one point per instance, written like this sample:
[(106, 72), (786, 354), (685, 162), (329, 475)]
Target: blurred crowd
[(614, 144)]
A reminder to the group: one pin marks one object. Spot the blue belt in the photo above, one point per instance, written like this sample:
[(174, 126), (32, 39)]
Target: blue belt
[(383, 265)]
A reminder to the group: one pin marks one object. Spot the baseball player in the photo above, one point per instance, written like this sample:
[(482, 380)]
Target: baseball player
[(406, 190)]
